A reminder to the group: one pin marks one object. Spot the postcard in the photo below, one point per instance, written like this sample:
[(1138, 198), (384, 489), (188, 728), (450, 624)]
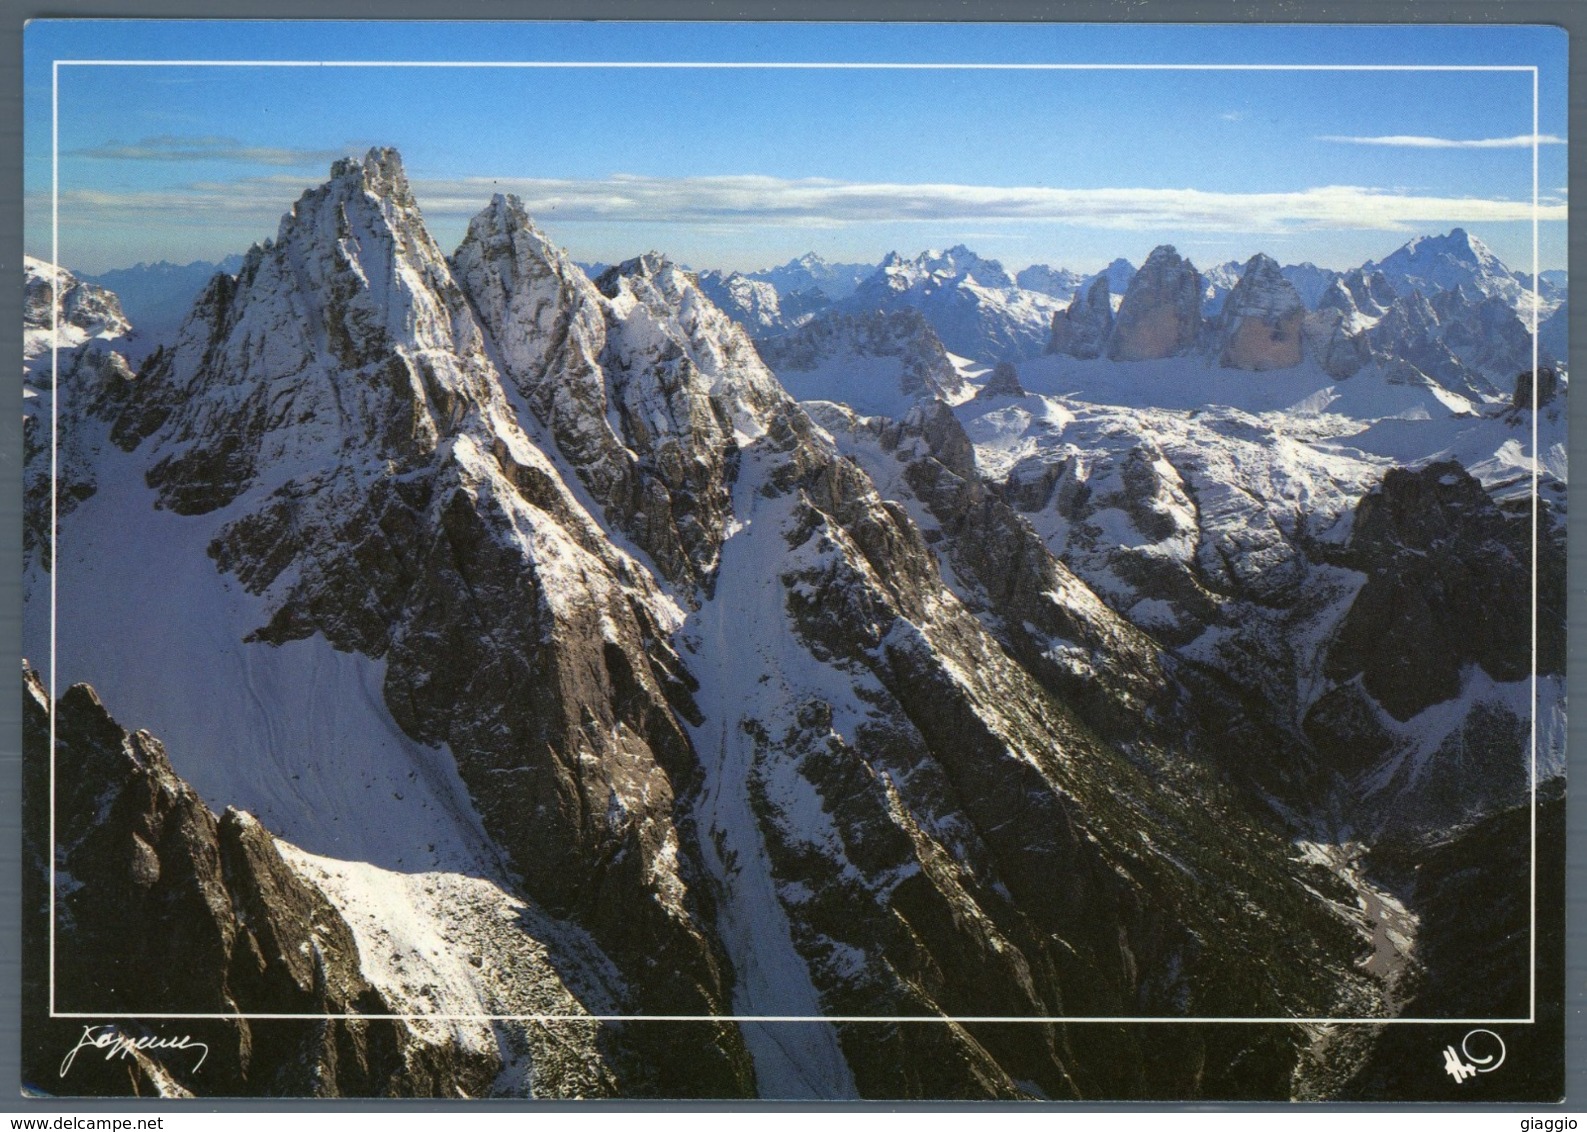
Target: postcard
[(787, 562)]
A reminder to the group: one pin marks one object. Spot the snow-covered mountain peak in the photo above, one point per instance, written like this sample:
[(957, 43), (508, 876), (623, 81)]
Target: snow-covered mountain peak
[(80, 310), (1458, 260), (933, 269)]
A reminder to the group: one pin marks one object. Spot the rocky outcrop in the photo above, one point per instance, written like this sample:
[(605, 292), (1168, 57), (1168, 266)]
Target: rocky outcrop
[(1082, 331), (1449, 585), (1327, 337), (1259, 327), (1004, 382), (1161, 312), (1368, 292), (1535, 389), (161, 908), (1444, 618), (54, 298)]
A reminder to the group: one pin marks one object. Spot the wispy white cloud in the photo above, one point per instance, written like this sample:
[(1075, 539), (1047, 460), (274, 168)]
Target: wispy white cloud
[(171, 147), (1233, 115), (736, 201), (1414, 141), (705, 200)]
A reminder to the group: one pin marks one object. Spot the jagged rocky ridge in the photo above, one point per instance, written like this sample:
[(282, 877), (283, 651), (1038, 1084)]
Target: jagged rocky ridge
[(716, 696), (163, 908)]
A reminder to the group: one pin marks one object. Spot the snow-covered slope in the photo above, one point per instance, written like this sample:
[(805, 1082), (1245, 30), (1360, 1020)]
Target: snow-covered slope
[(881, 362)]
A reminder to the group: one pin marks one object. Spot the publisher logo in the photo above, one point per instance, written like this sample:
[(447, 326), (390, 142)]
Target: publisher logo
[(1481, 1051)]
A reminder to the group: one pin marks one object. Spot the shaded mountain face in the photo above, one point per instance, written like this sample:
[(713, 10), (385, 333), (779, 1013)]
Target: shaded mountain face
[(810, 273), (164, 908), (74, 337), (728, 707), (1083, 330), (757, 305), (1446, 610)]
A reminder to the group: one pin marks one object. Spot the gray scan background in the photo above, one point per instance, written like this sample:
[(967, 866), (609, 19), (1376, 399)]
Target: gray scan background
[(1570, 14)]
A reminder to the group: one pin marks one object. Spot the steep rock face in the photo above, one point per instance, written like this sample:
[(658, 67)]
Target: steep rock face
[(1486, 335), (89, 371), (998, 566), (1469, 346), (1083, 330), (163, 909), (1410, 332), (1259, 327), (340, 400), (1161, 312), (1368, 292), (643, 386), (1448, 585), (835, 341), (1326, 336), (93, 381)]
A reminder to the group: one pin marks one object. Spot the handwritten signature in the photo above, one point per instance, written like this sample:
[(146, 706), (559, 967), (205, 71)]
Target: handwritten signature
[(116, 1044)]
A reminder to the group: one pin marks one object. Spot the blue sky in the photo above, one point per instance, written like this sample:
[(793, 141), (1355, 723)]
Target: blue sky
[(746, 167)]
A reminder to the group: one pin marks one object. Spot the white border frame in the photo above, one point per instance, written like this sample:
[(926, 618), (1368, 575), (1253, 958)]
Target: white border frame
[(55, 72)]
